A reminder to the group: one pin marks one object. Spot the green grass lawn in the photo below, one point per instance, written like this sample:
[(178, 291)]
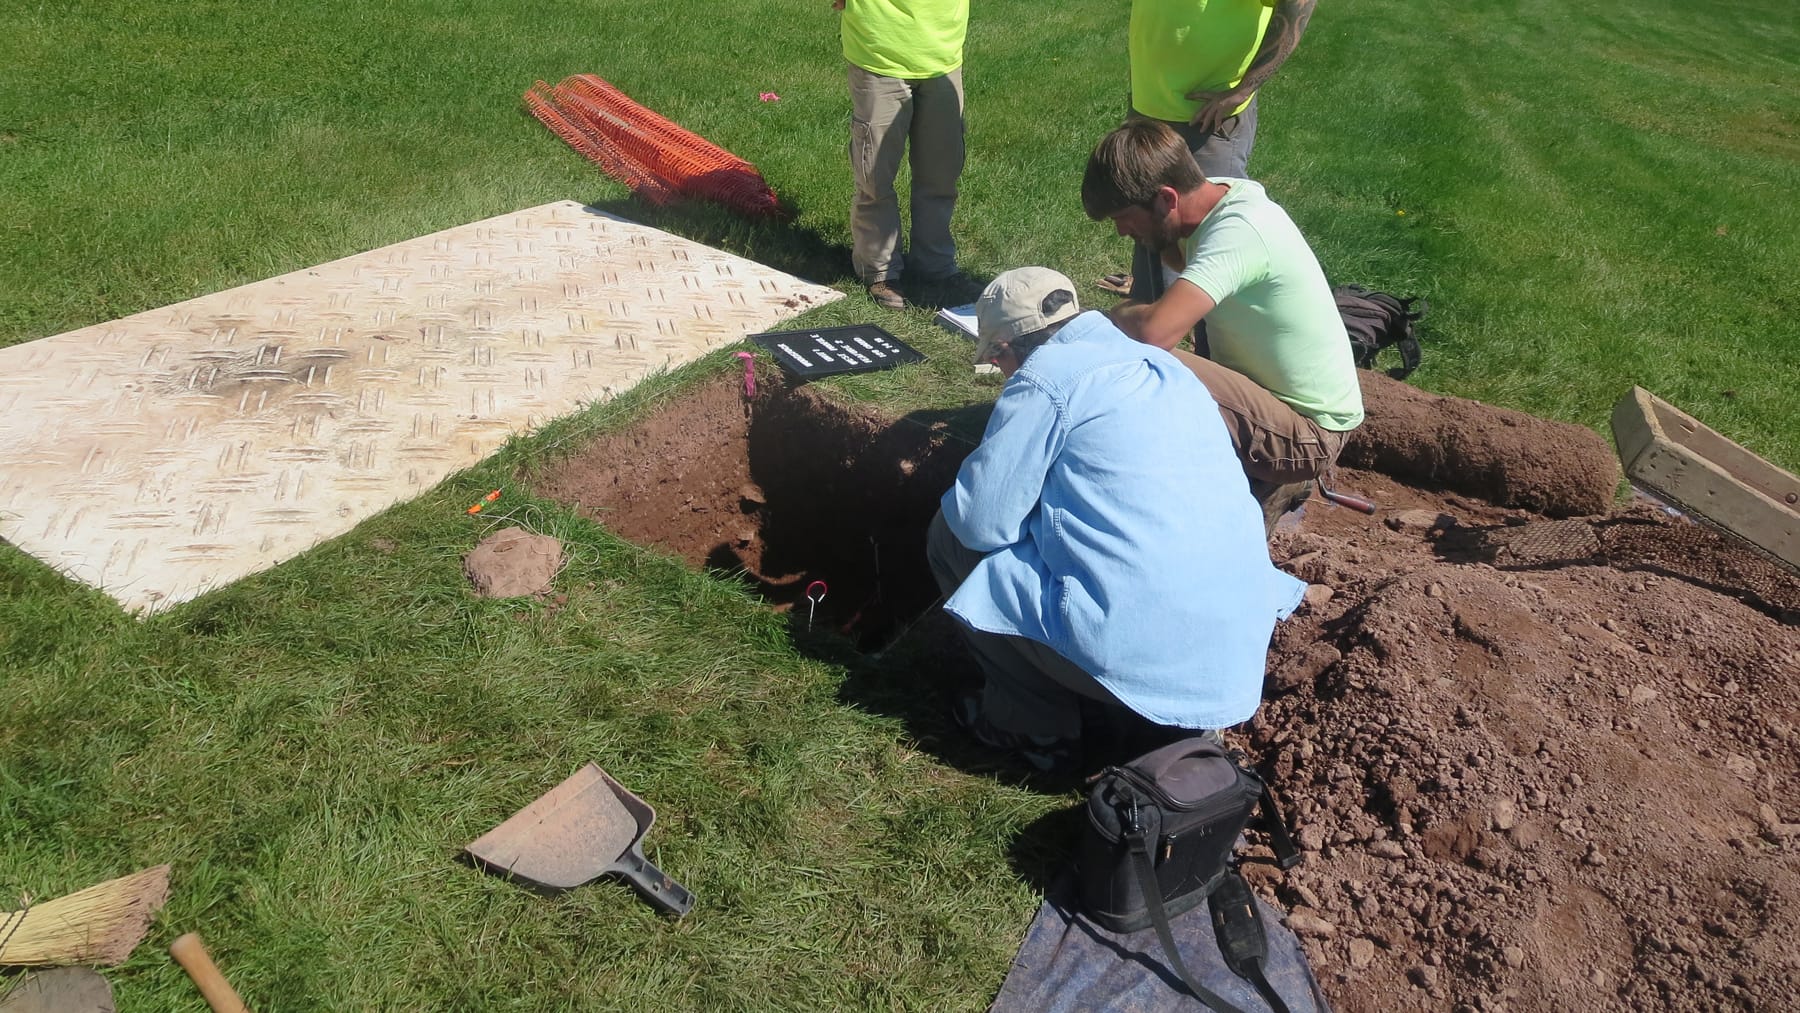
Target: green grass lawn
[(1591, 197)]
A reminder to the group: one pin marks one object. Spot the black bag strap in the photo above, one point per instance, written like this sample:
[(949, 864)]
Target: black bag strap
[(1238, 929), (1139, 845), (1407, 344), (1281, 839)]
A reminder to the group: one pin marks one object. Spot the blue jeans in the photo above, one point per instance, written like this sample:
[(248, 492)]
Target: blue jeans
[(1028, 689)]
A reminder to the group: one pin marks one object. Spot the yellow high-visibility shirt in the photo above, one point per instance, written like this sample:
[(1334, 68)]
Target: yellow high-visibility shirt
[(1180, 46), (912, 39)]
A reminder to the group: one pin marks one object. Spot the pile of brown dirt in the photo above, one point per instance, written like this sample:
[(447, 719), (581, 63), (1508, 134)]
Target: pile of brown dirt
[(1501, 456), (1557, 784)]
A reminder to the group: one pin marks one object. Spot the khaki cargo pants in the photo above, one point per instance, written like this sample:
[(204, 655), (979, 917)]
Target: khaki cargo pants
[(923, 120), (1283, 451)]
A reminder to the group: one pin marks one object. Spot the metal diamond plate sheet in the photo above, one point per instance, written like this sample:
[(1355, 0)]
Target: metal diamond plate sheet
[(177, 450)]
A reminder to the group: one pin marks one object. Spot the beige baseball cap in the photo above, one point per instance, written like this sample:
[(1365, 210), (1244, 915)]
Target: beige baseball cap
[(1014, 304)]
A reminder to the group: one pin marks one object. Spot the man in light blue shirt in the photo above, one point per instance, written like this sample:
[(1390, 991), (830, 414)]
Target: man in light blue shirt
[(1102, 541)]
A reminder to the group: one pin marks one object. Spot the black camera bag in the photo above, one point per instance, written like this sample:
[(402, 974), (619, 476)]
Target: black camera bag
[(1159, 841)]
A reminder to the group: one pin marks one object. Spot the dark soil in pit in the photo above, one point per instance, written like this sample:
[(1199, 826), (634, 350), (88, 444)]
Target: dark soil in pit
[(795, 491), (1536, 765)]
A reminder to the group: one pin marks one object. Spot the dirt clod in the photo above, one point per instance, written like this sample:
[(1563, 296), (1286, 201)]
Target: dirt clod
[(1305, 923), (512, 563)]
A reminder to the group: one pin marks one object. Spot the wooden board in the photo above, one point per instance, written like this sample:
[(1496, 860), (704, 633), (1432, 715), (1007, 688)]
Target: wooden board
[(1673, 455)]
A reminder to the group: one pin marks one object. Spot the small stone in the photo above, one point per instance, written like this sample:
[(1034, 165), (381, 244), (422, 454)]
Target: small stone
[(1598, 978), (1766, 815), (1506, 814), (1301, 673), (1742, 766), (1311, 837), (1305, 924), (1423, 976), (1419, 521), (1594, 857), (1318, 594), (1434, 590), (1514, 956), (1362, 953), (1387, 849), (1641, 695)]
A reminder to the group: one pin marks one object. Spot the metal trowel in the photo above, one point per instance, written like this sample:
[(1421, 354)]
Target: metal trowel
[(584, 828)]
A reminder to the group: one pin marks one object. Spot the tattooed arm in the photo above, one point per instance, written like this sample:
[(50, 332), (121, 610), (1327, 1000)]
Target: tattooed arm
[(1286, 24)]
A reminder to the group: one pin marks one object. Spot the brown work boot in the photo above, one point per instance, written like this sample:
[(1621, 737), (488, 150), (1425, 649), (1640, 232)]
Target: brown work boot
[(886, 295), (1277, 501)]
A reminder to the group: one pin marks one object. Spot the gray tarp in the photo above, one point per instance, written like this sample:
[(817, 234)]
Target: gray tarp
[(1069, 964)]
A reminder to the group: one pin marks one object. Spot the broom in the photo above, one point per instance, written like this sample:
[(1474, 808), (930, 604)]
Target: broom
[(99, 925)]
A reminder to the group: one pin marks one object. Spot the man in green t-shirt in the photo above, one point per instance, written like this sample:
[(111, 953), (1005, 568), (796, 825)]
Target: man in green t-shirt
[(1197, 65), (1281, 367), (906, 92)]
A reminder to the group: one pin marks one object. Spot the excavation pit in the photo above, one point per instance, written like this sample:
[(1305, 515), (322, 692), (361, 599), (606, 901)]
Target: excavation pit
[(780, 492)]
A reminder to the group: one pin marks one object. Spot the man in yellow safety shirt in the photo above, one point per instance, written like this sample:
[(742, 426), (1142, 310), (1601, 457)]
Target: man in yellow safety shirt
[(1196, 65), (906, 96)]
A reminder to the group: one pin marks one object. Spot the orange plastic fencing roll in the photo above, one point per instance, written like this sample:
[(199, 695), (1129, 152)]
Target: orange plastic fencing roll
[(658, 160)]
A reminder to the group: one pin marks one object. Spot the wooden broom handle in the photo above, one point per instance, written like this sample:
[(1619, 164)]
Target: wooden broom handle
[(191, 954)]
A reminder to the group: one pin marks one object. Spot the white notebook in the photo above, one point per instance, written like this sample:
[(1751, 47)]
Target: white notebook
[(958, 320)]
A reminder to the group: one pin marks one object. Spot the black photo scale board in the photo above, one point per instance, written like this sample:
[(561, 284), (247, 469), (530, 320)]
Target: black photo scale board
[(828, 351)]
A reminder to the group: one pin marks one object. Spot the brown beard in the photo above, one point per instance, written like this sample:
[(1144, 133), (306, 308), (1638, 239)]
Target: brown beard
[(1163, 237)]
